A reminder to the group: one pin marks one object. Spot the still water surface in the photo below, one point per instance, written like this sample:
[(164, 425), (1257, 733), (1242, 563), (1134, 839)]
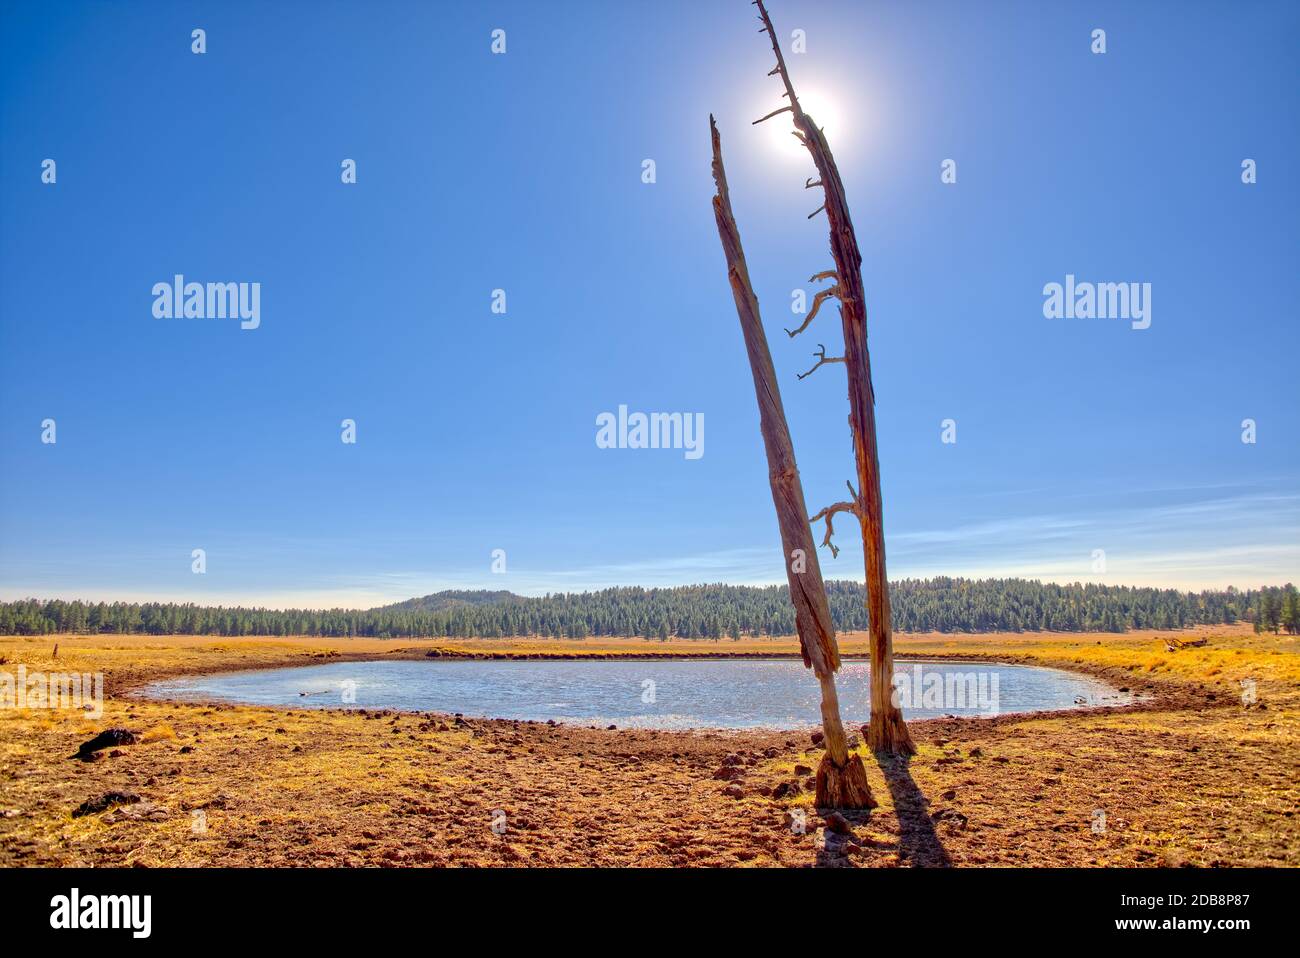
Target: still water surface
[(667, 693)]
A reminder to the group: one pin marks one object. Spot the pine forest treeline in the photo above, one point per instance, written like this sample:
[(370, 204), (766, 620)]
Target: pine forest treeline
[(691, 612)]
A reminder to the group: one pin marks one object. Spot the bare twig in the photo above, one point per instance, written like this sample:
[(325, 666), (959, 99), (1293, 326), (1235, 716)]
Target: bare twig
[(822, 360)]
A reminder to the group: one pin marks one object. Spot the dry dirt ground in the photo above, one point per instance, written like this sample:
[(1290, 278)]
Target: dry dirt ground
[(1191, 776)]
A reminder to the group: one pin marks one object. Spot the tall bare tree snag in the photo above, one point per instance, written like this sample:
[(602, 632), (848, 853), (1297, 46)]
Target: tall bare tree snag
[(887, 731), (841, 777)]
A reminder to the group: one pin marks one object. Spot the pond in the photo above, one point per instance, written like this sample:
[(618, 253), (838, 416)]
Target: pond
[(657, 693)]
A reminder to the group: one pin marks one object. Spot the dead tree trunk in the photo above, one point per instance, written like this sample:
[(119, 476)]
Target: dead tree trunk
[(841, 777), (887, 731)]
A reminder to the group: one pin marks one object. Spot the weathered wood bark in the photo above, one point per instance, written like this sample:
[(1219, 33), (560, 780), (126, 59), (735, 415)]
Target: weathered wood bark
[(841, 777), (887, 731)]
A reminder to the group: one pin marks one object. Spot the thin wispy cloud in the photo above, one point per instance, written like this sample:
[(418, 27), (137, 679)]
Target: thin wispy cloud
[(1247, 539)]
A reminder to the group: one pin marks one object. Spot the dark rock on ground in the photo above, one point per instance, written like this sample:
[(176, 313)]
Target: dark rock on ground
[(109, 738), (104, 802), (787, 789)]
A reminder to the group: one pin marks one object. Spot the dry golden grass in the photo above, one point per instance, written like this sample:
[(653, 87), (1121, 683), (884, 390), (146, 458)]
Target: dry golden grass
[(1192, 777)]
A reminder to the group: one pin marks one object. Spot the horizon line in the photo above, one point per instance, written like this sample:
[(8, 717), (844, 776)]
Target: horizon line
[(133, 599)]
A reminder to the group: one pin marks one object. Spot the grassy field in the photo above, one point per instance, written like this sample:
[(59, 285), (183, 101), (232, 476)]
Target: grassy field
[(1190, 776)]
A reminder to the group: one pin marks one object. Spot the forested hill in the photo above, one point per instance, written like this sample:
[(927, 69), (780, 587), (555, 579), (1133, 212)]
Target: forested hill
[(451, 598), (692, 612)]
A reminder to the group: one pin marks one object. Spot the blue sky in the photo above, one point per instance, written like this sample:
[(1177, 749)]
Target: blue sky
[(522, 171)]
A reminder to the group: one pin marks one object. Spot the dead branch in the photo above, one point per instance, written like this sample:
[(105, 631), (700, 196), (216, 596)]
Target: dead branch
[(784, 109), (827, 514), (820, 298), (816, 211), (822, 360)]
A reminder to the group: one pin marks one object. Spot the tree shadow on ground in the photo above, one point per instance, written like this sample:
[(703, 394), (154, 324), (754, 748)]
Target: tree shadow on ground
[(918, 842)]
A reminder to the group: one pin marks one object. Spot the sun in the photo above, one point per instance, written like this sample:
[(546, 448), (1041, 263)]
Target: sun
[(825, 113)]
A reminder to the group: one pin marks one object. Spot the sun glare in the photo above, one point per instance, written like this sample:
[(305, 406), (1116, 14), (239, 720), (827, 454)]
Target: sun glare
[(780, 129)]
